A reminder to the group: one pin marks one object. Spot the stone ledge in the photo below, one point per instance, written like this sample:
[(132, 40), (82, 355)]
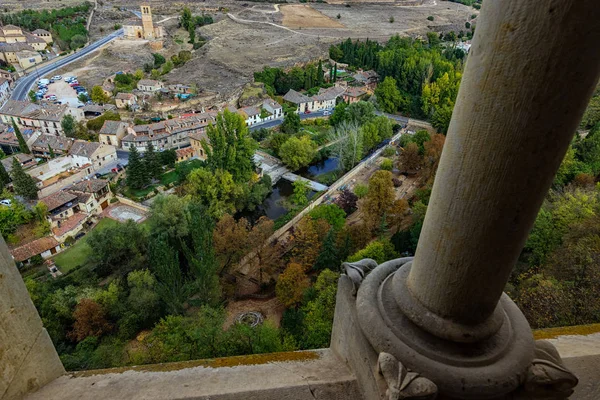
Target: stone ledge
[(313, 375)]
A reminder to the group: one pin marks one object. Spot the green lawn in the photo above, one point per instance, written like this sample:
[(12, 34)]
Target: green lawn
[(77, 254), (169, 177)]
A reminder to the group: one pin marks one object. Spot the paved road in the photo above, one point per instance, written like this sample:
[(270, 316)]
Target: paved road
[(24, 84), (277, 122)]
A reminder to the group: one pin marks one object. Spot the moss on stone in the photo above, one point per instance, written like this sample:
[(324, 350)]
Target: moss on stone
[(225, 362), (552, 333)]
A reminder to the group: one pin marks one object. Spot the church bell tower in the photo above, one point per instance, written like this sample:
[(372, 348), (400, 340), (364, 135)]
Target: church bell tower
[(147, 23)]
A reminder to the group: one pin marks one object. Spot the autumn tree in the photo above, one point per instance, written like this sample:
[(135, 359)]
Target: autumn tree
[(410, 159), (291, 285), (267, 254), (90, 320), (347, 201), (307, 240), (380, 205), (433, 153), (230, 239)]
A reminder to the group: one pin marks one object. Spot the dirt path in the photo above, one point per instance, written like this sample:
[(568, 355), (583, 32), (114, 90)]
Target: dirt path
[(248, 21)]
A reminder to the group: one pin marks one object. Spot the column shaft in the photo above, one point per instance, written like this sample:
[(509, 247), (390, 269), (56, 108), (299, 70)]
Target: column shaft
[(530, 74)]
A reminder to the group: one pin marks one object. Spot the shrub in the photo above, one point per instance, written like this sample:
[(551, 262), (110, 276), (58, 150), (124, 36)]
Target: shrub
[(430, 18), (361, 190), (387, 165), (117, 27), (391, 20), (339, 16), (468, 25), (389, 151)]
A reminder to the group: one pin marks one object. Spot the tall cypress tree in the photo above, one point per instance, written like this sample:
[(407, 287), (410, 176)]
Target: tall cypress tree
[(4, 177), (23, 183), (51, 152), (22, 143), (152, 162), (320, 74), (335, 73), (137, 177)]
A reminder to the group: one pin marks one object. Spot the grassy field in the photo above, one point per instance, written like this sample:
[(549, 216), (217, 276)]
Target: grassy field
[(77, 254)]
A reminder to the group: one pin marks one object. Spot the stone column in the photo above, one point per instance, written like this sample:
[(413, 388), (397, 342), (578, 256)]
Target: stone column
[(440, 323), (28, 359)]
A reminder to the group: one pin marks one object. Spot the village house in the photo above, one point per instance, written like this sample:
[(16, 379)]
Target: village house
[(354, 94), (170, 134), (124, 100), (45, 117), (180, 89), (8, 139), (43, 34), (9, 51), (64, 214), (94, 195), (4, 90), (326, 98), (184, 154), (57, 174), (27, 58), (367, 78), (273, 108), (94, 153), (149, 85), (26, 161), (60, 146), (196, 144), (11, 77), (11, 34), (112, 133), (251, 115), (44, 247), (303, 104)]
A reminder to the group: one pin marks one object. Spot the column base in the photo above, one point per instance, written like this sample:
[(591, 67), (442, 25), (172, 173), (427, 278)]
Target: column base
[(395, 359)]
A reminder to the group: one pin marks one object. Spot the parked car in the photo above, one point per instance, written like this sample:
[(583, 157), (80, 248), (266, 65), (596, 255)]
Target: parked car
[(44, 81), (79, 235), (97, 175), (326, 113), (307, 112), (118, 168), (57, 77), (74, 83), (6, 202), (69, 79)]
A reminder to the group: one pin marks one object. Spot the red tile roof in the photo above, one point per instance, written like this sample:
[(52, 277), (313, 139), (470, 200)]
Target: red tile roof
[(69, 224), (34, 248)]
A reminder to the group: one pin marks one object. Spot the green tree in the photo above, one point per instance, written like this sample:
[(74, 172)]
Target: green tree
[(152, 163), (332, 213), (319, 312), (4, 177), (186, 18), (137, 174), (168, 67), (68, 125), (300, 196), (78, 41), (379, 250), (22, 143), (192, 33), (118, 248), (291, 123), (297, 152), (216, 190), (32, 96), (171, 286), (143, 300), (388, 95), (230, 146), (98, 95), (23, 183)]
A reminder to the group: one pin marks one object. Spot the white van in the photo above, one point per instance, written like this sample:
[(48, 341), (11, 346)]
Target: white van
[(44, 82)]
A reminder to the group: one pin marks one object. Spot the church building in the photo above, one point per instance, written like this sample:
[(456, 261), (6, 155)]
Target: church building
[(143, 28)]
